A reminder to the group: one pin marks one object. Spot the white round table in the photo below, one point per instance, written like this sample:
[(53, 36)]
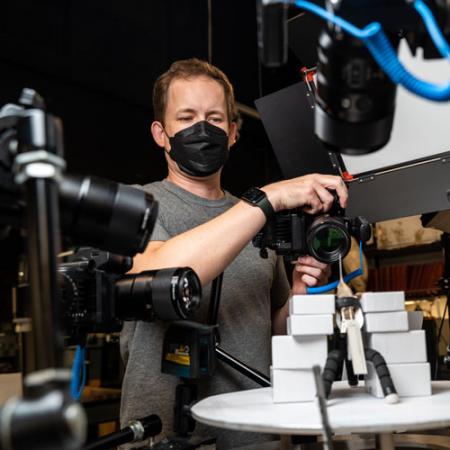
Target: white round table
[(350, 410)]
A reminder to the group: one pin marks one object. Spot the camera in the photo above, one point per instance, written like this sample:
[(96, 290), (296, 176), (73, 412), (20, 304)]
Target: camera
[(97, 296), (326, 237)]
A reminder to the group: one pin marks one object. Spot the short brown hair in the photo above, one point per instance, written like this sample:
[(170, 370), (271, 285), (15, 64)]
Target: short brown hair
[(188, 68)]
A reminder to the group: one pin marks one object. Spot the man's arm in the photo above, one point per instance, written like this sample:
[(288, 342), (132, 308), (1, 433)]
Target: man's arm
[(212, 246)]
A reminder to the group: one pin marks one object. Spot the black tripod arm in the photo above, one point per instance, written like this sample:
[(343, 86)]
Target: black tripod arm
[(136, 431), (241, 367)]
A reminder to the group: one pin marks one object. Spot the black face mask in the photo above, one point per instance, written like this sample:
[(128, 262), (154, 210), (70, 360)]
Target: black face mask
[(200, 150)]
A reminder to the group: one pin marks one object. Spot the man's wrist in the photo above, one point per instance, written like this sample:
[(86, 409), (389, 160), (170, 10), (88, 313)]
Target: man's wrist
[(271, 196), (258, 198)]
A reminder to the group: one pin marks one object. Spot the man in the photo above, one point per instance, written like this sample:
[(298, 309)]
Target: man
[(204, 227)]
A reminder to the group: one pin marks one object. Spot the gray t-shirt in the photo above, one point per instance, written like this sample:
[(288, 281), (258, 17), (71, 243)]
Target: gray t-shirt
[(252, 287)]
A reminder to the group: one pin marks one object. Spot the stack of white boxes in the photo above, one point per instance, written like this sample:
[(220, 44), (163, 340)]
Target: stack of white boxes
[(396, 334), (293, 356)]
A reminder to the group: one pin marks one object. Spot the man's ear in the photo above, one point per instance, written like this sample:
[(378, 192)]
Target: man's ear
[(159, 135), (232, 135)]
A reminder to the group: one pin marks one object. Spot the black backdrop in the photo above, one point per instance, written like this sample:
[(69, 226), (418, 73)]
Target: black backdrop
[(95, 63)]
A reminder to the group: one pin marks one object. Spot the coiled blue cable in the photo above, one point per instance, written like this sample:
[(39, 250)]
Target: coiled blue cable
[(382, 51), (334, 284), (432, 28), (78, 368)]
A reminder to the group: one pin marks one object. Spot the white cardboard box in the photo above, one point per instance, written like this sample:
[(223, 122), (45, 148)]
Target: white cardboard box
[(410, 380), (292, 385), (384, 322), (400, 347), (383, 301), (314, 324), (312, 304), (299, 352)]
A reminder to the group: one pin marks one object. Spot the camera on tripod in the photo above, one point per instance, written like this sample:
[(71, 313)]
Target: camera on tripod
[(326, 237), (97, 296), (91, 291)]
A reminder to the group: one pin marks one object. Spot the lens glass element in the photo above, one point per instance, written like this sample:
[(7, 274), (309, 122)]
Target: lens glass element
[(329, 239)]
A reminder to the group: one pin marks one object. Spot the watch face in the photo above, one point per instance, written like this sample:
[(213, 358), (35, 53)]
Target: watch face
[(254, 195)]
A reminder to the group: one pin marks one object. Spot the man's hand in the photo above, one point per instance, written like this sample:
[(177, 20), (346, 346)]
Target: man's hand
[(311, 192), (308, 272)]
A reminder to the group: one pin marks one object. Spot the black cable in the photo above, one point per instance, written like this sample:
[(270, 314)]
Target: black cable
[(210, 39)]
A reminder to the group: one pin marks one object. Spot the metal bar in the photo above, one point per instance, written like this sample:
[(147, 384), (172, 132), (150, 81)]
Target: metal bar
[(43, 246), (241, 367), (214, 302)]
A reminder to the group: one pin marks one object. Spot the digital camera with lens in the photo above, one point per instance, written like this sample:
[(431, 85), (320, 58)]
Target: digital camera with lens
[(326, 237), (97, 295)]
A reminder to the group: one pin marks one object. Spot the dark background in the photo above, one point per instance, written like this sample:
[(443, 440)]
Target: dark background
[(95, 64)]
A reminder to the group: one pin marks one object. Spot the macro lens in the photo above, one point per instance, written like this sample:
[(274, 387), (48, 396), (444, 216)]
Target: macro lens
[(167, 294)]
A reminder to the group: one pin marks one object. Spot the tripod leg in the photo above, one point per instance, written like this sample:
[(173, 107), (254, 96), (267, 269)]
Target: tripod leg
[(352, 378), (384, 376), (335, 358)]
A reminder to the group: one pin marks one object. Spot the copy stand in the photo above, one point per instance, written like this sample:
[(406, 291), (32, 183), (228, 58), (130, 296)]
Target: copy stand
[(47, 415)]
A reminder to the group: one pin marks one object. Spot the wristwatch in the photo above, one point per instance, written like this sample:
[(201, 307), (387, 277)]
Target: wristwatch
[(257, 197)]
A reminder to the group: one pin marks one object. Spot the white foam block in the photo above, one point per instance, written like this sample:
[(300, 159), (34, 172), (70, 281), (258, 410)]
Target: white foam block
[(400, 347), (314, 324), (311, 304), (299, 352), (410, 380), (383, 301), (383, 322), (292, 385)]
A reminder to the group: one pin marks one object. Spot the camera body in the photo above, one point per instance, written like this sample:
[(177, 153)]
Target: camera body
[(326, 237), (97, 294)]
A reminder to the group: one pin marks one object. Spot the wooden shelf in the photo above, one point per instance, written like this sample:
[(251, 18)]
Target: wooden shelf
[(417, 254)]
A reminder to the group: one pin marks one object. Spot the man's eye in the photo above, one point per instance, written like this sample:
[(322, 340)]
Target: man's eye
[(185, 119), (216, 119)]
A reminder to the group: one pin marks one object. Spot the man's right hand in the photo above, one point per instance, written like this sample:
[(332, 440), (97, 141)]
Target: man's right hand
[(310, 192)]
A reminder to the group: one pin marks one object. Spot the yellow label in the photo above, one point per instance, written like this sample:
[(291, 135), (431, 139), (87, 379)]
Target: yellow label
[(184, 360)]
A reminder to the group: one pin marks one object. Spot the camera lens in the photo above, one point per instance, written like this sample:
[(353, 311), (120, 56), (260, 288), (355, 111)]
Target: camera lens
[(328, 239), (107, 215), (167, 294), (355, 99)]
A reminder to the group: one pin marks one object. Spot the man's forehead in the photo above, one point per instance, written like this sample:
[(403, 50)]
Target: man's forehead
[(196, 93)]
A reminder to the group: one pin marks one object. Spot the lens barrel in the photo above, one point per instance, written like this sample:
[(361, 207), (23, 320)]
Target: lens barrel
[(167, 294), (107, 215)]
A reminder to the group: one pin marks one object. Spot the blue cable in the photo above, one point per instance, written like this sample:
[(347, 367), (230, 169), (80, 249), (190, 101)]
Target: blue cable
[(384, 54), (433, 28), (347, 278), (78, 367)]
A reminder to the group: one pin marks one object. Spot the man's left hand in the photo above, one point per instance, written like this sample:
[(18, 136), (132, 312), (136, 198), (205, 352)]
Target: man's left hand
[(309, 272)]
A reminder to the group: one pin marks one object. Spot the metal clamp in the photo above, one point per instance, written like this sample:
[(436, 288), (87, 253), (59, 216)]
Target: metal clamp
[(138, 430), (38, 164)]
